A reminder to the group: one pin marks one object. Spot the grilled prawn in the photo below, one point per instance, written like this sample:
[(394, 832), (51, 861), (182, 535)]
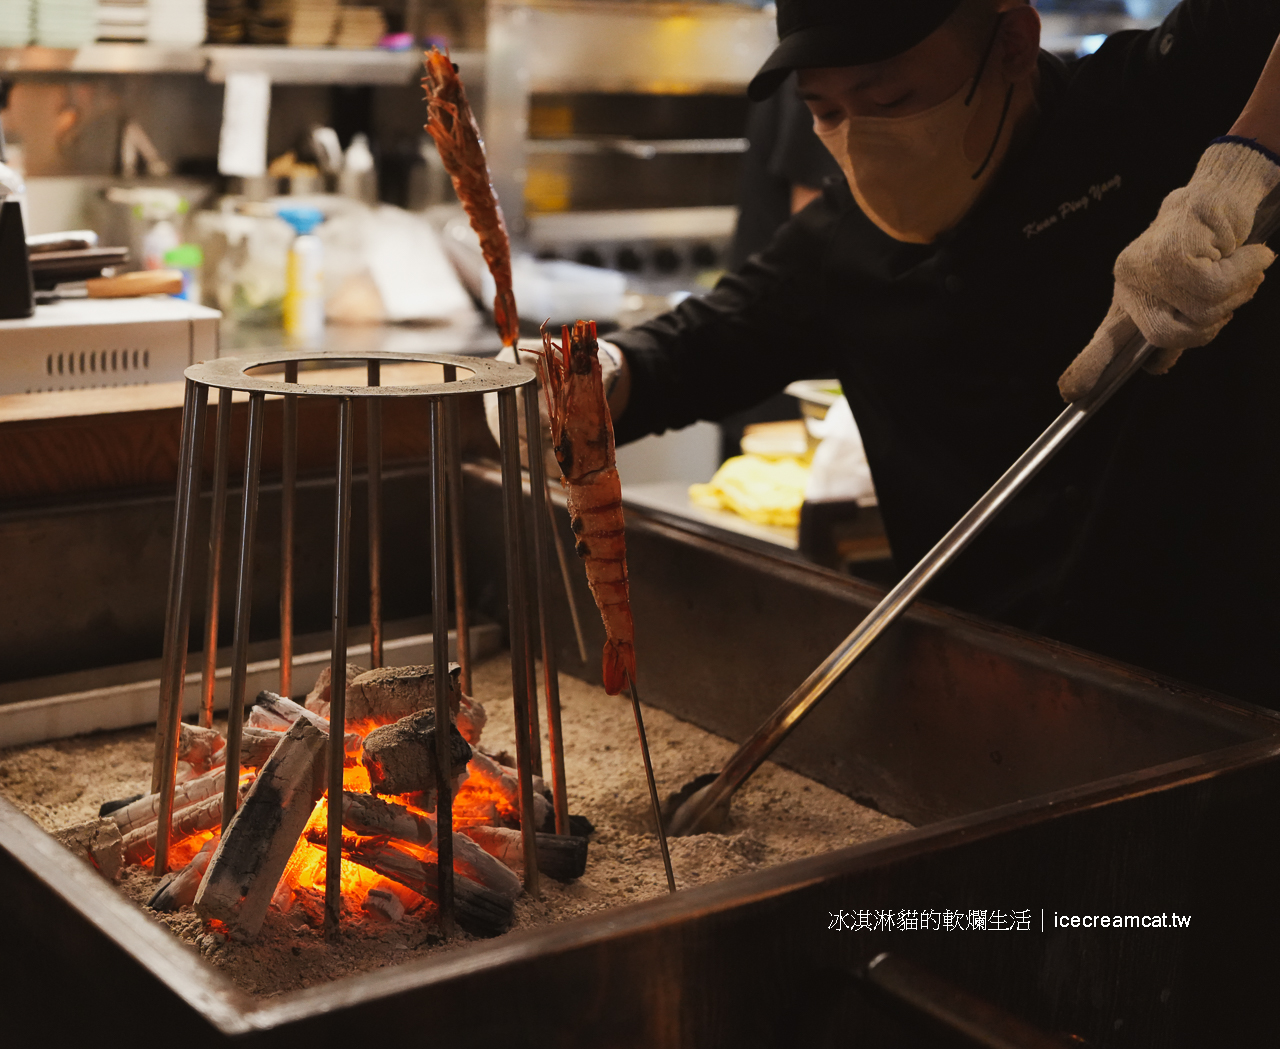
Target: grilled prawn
[(582, 436), (451, 124)]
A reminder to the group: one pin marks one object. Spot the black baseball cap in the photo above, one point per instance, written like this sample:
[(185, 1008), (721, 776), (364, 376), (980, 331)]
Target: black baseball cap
[(816, 33)]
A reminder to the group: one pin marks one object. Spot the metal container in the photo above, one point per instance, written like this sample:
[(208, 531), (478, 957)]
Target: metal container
[(1042, 779)]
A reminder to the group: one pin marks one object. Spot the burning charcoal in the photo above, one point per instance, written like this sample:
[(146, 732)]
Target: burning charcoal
[(108, 807), (256, 845), (98, 842), (392, 693), (383, 904), (275, 709), (560, 856), (471, 718), (256, 746), (488, 773), (318, 698), (479, 910), (401, 758), (180, 890), (146, 809), (369, 816), (201, 747), (140, 843)]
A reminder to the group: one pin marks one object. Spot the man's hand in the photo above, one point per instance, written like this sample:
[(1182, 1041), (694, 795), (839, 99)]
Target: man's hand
[(1183, 279), (613, 373)]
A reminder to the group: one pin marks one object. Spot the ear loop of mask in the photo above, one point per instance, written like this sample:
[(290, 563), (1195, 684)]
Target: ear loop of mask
[(1008, 97)]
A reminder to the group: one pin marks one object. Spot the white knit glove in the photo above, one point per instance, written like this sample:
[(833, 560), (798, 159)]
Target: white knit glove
[(610, 369), (1181, 281)]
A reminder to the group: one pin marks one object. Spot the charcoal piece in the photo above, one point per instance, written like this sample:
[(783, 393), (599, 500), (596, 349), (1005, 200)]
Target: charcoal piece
[(180, 890), (257, 844), (580, 826), (391, 693), (560, 856), (145, 809), (383, 904), (318, 698), (505, 782), (479, 910), (273, 711), (201, 747), (401, 758), (108, 807), (98, 842)]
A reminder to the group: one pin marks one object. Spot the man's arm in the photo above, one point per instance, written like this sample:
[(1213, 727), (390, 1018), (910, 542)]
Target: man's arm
[(1181, 282), (762, 327), (1260, 120)]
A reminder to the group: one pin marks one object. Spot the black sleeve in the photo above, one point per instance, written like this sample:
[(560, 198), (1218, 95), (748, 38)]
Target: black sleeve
[(1189, 78), (760, 329)]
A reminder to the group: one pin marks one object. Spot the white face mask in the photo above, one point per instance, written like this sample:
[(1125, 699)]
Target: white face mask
[(911, 175)]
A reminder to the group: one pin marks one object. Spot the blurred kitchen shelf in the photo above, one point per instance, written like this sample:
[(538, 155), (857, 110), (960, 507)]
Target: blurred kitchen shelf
[(284, 65)]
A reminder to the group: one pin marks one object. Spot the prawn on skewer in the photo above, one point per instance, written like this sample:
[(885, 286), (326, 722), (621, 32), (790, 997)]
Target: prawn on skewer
[(582, 437), (452, 125)]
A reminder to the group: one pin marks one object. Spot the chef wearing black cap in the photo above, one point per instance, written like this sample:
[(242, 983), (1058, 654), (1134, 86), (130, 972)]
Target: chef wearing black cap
[(963, 263)]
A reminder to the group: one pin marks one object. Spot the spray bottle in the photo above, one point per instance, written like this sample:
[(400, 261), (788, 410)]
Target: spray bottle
[(304, 282)]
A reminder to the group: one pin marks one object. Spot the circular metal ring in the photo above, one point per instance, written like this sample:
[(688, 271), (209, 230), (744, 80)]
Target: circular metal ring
[(487, 375)]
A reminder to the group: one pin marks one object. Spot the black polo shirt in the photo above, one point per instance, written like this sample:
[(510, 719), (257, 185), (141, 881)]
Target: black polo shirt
[(1152, 536)]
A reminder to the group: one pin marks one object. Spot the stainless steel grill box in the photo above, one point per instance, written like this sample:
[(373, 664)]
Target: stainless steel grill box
[(1039, 777)]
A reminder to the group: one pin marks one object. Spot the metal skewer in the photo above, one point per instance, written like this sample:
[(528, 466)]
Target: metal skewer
[(374, 443), (440, 660), (697, 812), (244, 605), (288, 504), (550, 670), (458, 543), (338, 675), (217, 529), (177, 617), (653, 786)]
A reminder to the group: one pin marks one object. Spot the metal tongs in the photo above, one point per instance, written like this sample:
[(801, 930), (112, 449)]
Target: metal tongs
[(706, 809)]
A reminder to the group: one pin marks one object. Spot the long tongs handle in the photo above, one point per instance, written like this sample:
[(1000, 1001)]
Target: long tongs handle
[(778, 726)]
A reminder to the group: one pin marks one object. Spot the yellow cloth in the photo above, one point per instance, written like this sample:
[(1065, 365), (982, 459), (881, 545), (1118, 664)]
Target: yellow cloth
[(766, 491)]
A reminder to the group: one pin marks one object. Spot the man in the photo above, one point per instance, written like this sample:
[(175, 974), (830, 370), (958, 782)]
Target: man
[(963, 263)]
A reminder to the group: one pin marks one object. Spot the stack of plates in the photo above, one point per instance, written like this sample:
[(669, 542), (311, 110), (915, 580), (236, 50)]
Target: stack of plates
[(360, 27), (15, 23), (66, 23), (313, 23), (177, 23), (226, 20), (122, 20)]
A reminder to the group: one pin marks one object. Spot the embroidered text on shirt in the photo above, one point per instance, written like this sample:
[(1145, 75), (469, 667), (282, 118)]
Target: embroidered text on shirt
[(1070, 207)]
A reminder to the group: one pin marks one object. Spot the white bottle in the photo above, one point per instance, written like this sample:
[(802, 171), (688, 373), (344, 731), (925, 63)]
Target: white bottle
[(359, 177), (304, 282)]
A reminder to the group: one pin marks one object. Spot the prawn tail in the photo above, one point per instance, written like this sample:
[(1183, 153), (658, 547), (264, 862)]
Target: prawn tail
[(619, 664)]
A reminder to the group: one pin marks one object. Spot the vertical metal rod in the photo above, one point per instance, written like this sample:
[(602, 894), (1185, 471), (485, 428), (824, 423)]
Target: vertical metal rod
[(217, 529), (288, 504), (561, 557), (542, 575), (176, 563), (458, 542), (178, 615), (653, 786), (373, 406), (513, 522), (244, 605), (338, 674), (440, 657), (535, 729)]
